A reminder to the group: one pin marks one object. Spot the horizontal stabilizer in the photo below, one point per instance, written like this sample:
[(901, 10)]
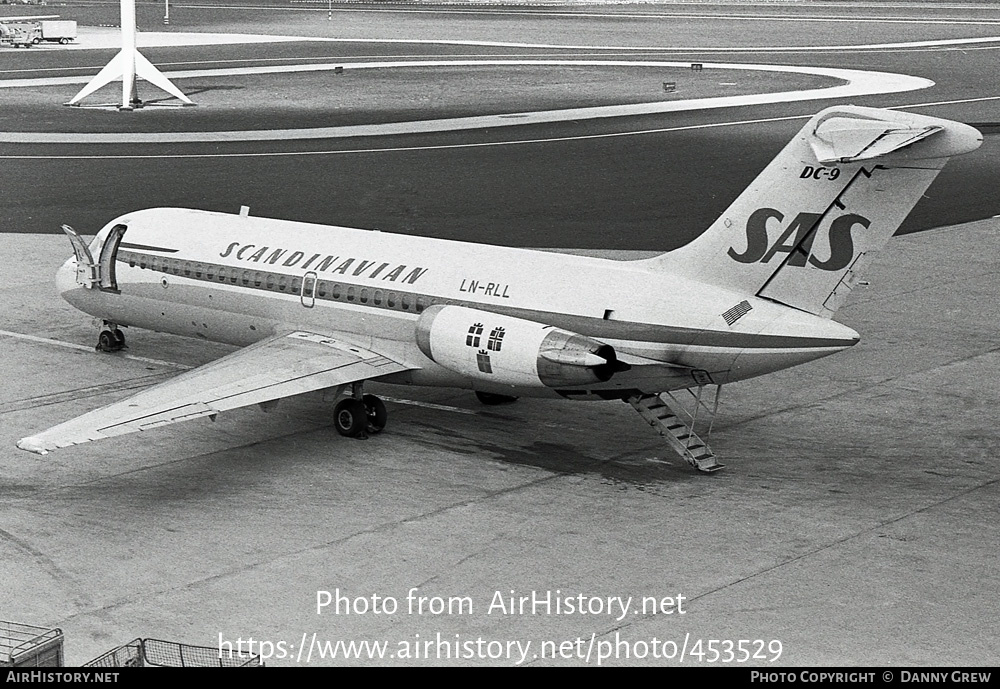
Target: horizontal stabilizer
[(846, 139)]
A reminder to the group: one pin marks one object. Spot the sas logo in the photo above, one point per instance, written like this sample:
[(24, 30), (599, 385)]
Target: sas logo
[(797, 239), (493, 344)]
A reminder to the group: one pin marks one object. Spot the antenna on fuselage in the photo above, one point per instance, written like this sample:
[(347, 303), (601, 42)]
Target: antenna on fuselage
[(127, 65)]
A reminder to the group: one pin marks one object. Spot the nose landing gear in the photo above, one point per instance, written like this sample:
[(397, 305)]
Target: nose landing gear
[(111, 340)]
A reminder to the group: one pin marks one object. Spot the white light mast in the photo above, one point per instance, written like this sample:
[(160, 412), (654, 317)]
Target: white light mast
[(127, 65)]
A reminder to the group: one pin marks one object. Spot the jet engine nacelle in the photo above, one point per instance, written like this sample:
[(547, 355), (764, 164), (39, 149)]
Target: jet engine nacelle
[(512, 351)]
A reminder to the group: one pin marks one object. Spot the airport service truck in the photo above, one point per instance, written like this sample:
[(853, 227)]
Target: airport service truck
[(27, 34), (62, 31)]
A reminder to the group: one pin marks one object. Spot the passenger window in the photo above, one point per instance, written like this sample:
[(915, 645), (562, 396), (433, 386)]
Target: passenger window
[(257, 279), (378, 297), (296, 285), (364, 295), (405, 301), (391, 301), (197, 270), (222, 273), (420, 304), (270, 281), (350, 293), (283, 282), (336, 290), (187, 268), (246, 278)]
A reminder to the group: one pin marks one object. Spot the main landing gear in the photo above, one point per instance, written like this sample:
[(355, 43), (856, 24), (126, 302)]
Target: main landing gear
[(359, 415), (111, 340)]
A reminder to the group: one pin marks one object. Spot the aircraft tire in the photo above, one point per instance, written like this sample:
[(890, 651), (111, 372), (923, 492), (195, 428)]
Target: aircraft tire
[(492, 398), (119, 338), (106, 341), (376, 413), (350, 417)]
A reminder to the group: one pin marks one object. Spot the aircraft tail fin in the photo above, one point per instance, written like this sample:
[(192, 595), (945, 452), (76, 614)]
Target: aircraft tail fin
[(804, 229)]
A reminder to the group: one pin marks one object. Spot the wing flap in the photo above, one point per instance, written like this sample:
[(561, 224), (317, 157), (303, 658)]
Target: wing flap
[(281, 366)]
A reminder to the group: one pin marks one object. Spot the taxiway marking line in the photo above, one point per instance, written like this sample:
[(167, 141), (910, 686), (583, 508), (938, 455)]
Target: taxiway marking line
[(858, 83), (689, 49), (517, 142), (946, 102), (154, 39), (84, 348), (403, 149), (431, 405), (933, 42), (504, 11), (345, 59)]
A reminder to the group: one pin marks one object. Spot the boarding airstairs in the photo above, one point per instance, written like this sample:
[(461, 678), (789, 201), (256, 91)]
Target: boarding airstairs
[(667, 412)]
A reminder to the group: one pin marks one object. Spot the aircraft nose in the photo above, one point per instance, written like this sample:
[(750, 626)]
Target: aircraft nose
[(66, 276)]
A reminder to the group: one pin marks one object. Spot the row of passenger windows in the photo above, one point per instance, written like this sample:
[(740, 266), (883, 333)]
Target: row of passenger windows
[(275, 282)]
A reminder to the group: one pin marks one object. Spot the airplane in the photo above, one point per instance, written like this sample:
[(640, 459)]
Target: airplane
[(324, 308)]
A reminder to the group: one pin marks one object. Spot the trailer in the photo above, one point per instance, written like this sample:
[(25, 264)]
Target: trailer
[(62, 31)]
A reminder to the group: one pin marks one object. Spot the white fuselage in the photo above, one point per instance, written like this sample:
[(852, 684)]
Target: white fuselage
[(239, 279)]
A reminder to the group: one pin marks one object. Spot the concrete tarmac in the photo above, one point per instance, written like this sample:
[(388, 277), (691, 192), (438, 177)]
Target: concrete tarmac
[(855, 523)]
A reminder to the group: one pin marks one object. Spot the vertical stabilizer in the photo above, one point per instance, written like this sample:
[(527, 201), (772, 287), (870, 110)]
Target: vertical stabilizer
[(804, 229)]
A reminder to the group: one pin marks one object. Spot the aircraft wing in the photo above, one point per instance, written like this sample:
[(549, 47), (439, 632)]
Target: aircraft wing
[(27, 18), (287, 364)]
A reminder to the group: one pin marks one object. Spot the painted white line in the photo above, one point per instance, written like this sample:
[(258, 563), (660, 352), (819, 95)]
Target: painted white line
[(858, 83), (690, 49), (279, 60), (111, 39), (504, 11), (946, 102), (431, 405), (687, 49), (406, 149), (482, 144), (84, 348), (403, 149)]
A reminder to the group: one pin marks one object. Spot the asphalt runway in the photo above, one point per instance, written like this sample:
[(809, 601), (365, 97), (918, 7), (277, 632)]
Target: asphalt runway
[(854, 524)]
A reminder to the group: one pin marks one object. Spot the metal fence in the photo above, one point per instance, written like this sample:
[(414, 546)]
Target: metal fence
[(25, 645), (158, 653)]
